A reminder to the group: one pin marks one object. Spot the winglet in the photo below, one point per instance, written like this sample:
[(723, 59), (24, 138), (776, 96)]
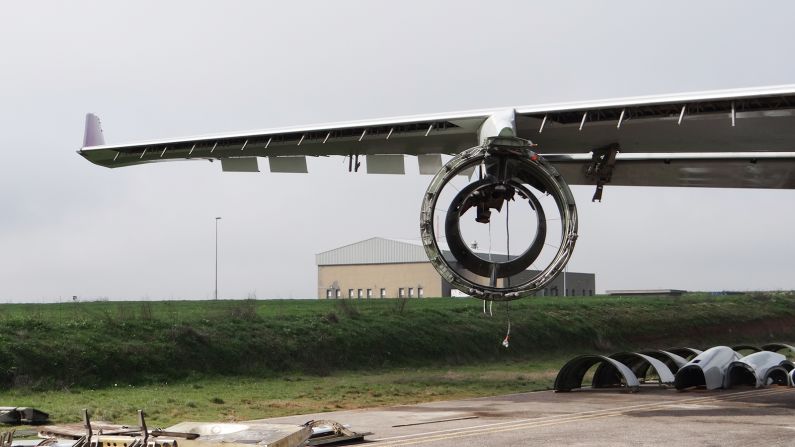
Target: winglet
[(93, 133)]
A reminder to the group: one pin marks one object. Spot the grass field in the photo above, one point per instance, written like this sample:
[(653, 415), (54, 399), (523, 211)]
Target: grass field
[(236, 398), (218, 360)]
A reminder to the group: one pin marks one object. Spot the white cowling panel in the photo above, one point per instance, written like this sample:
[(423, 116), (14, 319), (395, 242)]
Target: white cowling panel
[(760, 363), (710, 364), (639, 364)]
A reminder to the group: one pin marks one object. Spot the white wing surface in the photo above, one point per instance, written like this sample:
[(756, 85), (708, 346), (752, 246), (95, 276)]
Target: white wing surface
[(729, 138)]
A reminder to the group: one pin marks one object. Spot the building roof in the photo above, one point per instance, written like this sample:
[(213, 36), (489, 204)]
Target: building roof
[(376, 250), (675, 292), (381, 250)]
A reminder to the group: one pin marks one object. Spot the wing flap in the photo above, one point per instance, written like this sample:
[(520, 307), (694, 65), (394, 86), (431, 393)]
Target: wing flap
[(242, 164), (713, 170), (295, 165), (386, 164)]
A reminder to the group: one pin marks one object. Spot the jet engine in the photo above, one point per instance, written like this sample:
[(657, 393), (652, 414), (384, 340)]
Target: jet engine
[(478, 188)]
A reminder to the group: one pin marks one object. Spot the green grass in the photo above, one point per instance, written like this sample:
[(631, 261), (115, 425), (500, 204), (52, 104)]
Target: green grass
[(96, 345), (235, 398), (237, 360)]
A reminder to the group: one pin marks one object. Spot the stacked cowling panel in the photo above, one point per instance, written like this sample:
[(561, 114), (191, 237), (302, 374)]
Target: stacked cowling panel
[(717, 367)]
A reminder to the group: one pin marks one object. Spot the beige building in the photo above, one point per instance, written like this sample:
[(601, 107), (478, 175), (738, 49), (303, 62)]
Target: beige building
[(393, 268), (377, 268)]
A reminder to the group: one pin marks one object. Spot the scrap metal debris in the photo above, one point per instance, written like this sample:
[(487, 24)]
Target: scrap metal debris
[(195, 434), (7, 438), (22, 415), (332, 432)]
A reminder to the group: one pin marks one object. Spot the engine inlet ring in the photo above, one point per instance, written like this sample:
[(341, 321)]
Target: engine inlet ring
[(531, 169)]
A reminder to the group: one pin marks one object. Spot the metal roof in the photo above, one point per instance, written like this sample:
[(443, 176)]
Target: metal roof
[(376, 250), (647, 292), (380, 250)]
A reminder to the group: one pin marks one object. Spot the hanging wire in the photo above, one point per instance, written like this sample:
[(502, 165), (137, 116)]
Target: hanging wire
[(505, 341), (489, 240), (507, 280), (507, 231)]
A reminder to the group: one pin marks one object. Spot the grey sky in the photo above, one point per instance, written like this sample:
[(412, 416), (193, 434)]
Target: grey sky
[(165, 69)]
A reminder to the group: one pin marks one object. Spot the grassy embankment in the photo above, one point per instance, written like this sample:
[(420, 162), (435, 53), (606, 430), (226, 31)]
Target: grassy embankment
[(247, 359)]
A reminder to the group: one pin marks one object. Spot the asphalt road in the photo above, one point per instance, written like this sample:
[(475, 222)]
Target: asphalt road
[(651, 417)]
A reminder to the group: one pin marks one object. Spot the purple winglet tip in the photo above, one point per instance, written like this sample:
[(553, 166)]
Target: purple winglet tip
[(93, 133)]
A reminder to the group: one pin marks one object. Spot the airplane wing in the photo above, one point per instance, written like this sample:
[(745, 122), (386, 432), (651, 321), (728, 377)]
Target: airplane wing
[(742, 138), (730, 138)]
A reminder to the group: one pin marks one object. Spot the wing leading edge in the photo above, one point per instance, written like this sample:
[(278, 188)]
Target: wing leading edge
[(729, 138)]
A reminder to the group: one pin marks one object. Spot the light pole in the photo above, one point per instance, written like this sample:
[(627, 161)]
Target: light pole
[(216, 256)]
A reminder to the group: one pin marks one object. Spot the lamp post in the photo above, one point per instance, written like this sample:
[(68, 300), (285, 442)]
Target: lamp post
[(216, 256)]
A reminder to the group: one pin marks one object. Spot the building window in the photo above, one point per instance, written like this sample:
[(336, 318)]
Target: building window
[(400, 293), (350, 293), (383, 293), (359, 294), (329, 293), (411, 292), (369, 293), (420, 292), (337, 293)]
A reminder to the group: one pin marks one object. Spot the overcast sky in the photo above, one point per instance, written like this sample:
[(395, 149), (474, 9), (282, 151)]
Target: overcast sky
[(164, 69)]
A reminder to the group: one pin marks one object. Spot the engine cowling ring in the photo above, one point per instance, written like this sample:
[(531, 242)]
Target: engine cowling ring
[(528, 168)]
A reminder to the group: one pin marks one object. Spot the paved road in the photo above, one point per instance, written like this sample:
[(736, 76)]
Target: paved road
[(651, 417)]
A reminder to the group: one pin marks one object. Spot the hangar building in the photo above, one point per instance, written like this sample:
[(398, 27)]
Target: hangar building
[(396, 268)]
